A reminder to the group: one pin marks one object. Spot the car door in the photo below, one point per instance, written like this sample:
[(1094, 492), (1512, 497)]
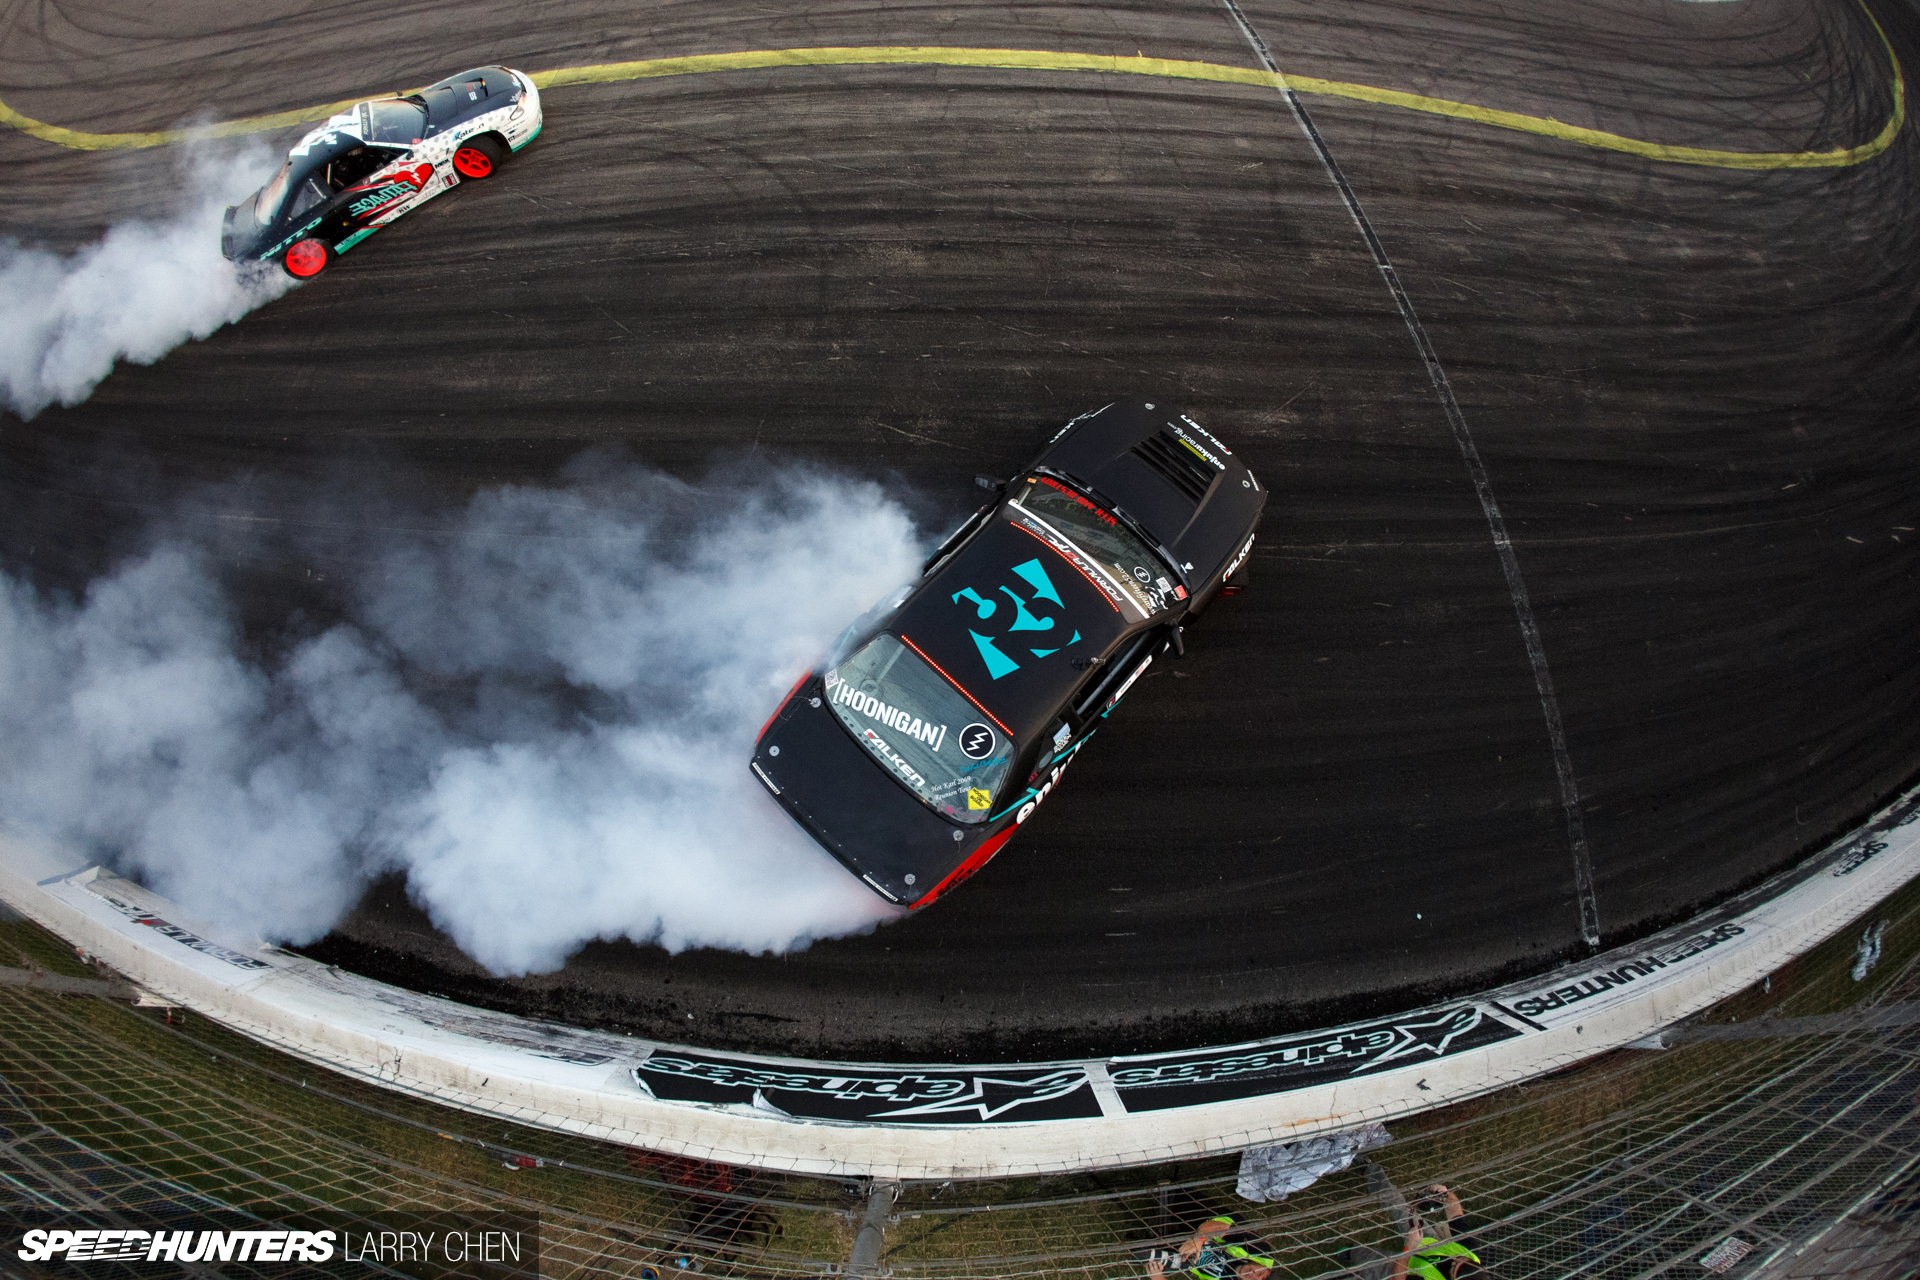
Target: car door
[(377, 184), (1107, 684)]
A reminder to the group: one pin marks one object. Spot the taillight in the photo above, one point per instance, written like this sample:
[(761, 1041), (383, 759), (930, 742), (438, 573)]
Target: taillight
[(804, 677), (978, 859)]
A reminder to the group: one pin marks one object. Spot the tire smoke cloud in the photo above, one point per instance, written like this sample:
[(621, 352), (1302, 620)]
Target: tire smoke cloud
[(540, 708), (143, 289)]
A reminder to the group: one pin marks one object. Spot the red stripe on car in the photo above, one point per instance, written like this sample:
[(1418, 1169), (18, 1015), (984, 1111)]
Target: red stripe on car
[(956, 684)]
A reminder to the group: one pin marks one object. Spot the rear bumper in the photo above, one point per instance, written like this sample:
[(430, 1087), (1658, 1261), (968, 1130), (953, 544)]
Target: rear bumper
[(838, 794)]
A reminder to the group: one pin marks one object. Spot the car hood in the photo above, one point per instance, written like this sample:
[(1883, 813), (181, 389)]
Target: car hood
[(1167, 473), (471, 93)]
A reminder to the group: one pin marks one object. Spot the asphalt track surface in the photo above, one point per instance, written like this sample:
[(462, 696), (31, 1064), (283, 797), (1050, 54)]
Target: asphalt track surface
[(1690, 390)]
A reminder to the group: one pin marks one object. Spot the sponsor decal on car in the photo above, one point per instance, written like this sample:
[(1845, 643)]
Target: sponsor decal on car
[(1020, 618), (389, 191), (1239, 559), (893, 758), (896, 718), (1210, 438), (1121, 692), (1199, 450), (978, 799), (976, 741), (1053, 776), (295, 236)]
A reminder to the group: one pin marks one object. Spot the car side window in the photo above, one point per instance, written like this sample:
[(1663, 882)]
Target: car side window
[(311, 191), (1104, 679), (357, 165)]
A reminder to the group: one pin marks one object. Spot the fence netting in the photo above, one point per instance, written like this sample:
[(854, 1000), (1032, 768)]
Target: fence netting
[(1779, 1135)]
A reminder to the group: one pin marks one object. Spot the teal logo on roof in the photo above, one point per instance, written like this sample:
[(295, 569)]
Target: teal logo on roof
[(1019, 623)]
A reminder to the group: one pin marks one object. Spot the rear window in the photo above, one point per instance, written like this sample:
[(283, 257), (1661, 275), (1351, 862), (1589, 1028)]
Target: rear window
[(921, 729), (267, 203)]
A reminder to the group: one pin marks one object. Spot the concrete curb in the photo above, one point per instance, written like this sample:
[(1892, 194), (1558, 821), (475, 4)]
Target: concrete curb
[(943, 1121)]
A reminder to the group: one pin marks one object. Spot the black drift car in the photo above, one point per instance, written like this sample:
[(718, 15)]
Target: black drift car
[(944, 719)]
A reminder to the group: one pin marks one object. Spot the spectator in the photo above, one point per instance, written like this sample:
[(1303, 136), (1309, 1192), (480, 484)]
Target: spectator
[(1216, 1252), (1450, 1241), (1440, 1242)]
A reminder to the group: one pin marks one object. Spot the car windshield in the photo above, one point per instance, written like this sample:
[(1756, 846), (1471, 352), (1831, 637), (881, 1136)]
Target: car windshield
[(921, 729), (402, 120), (1129, 565)]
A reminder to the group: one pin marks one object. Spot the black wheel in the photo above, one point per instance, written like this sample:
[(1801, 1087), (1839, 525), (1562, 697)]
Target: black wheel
[(306, 259), (479, 157)]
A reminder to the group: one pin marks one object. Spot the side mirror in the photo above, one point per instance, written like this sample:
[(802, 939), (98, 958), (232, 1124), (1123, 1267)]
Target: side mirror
[(988, 482), (1177, 638)]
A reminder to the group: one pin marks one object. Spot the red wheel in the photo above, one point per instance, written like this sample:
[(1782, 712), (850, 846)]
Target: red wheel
[(478, 158), (307, 259)]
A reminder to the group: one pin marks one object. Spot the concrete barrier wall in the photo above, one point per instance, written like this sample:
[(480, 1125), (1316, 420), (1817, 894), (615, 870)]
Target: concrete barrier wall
[(943, 1121)]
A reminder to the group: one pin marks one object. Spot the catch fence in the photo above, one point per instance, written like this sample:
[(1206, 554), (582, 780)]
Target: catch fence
[(1777, 1135)]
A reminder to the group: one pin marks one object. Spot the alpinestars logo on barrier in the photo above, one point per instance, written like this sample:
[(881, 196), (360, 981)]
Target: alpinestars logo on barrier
[(1361, 1050), (1180, 1080), (992, 1097), (914, 1097)]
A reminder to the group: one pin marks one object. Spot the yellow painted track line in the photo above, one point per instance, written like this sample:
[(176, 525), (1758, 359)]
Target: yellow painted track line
[(1042, 60), (79, 141)]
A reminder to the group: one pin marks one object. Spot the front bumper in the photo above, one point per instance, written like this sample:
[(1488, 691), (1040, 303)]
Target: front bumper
[(524, 126)]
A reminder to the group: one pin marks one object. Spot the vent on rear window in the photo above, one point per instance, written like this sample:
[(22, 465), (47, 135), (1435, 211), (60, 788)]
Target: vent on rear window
[(1186, 471)]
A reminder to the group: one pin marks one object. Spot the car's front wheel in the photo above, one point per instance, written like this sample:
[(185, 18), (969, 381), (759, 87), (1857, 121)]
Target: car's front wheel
[(307, 259), (479, 157)]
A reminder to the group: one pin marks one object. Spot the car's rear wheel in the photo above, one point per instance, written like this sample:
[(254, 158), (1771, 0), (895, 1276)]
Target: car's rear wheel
[(479, 157), (307, 259)]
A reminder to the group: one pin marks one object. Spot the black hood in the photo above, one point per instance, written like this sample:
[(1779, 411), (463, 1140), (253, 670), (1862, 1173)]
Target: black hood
[(471, 93), (1167, 472)]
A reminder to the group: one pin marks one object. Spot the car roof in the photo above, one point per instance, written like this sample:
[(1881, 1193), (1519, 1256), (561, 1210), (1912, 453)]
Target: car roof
[(1017, 662), (335, 138)]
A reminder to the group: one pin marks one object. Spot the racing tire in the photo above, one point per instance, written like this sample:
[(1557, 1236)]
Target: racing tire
[(306, 259), (479, 157)]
